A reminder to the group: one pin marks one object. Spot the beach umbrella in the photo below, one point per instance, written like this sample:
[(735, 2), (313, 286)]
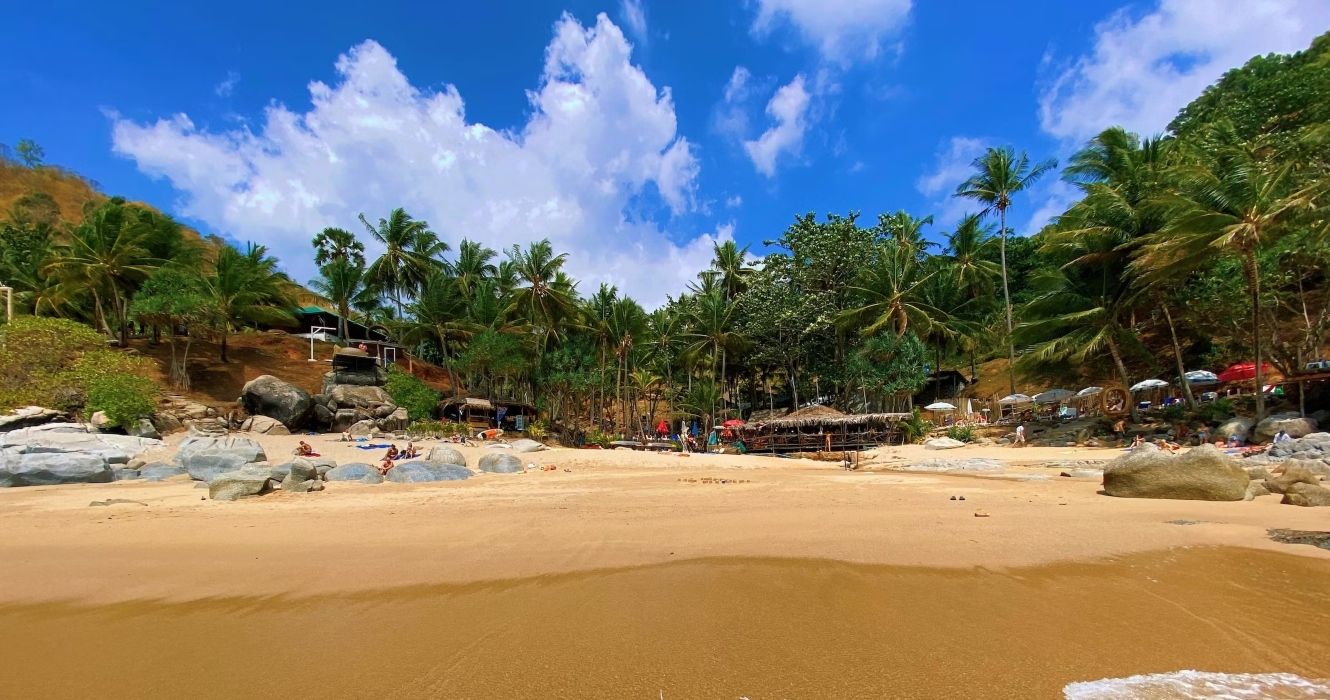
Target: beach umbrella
[(1015, 399), (1052, 396), (968, 408), (732, 423), (939, 406), (1242, 371), (1201, 377), (1149, 384), (1089, 391)]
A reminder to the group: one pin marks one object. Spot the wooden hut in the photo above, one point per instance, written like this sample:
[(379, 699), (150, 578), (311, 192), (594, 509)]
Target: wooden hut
[(822, 429), (483, 413)]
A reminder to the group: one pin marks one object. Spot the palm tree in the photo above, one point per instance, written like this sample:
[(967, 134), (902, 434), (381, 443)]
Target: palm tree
[(626, 324), (543, 295), (1230, 200), (906, 231), (891, 290), (346, 285), (967, 249), (999, 174), (711, 321), (472, 265), (246, 288), (439, 313), (409, 256), (731, 262), (333, 243)]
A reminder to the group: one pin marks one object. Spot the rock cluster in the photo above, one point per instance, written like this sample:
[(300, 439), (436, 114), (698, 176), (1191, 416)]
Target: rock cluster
[(65, 453), (30, 416), (1292, 423), (1200, 474), (351, 400)]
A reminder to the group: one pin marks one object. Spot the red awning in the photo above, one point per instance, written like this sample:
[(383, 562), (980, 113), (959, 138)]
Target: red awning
[(732, 422), (1243, 371)]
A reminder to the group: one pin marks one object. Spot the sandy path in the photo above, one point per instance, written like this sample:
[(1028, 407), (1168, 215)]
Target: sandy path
[(612, 509)]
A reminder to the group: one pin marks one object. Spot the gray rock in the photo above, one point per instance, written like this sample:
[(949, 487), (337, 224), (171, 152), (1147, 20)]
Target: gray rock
[(1312, 446), (1292, 423), (322, 417), (230, 486), (1201, 474), (364, 427), (243, 447), (1235, 426), (1307, 496), (77, 437), (269, 396), (160, 472), (412, 472), (369, 377), (307, 486), (500, 463), (264, 425), (145, 429), (29, 416), (344, 418), (442, 454), (355, 471), (166, 423), (49, 468), (942, 443), (1293, 474), (524, 445), (975, 464), (206, 466), (363, 397), (396, 420), (101, 421), (124, 474)]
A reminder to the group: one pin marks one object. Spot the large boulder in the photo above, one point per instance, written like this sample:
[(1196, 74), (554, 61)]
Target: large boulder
[(1312, 446), (442, 454), (395, 421), (77, 437), (1306, 495), (363, 397), (375, 376), (412, 472), (942, 443), (144, 428), (1292, 474), (269, 396), (264, 425), (205, 457), (525, 445), (160, 472), (355, 471), (230, 486), (364, 427), (1292, 423), (1201, 474), (302, 477), (1240, 427), (48, 468), (29, 416), (344, 418), (500, 463)]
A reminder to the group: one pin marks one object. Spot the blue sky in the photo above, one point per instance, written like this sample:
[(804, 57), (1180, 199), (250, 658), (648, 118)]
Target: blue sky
[(633, 133)]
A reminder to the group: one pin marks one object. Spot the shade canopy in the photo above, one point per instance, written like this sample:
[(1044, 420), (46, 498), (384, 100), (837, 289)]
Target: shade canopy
[(732, 422), (1015, 399), (1089, 391), (939, 406), (1052, 396), (1243, 371), (1149, 384), (1201, 377)]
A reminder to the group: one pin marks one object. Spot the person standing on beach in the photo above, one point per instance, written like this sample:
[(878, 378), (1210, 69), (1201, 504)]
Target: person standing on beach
[(1020, 436), (1120, 430)]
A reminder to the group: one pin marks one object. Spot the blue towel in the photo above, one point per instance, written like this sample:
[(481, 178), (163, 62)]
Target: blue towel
[(373, 447)]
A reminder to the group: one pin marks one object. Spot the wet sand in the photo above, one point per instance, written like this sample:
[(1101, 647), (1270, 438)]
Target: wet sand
[(717, 628), (622, 574)]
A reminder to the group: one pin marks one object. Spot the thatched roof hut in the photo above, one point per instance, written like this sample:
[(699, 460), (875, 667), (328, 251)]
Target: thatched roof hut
[(821, 428)]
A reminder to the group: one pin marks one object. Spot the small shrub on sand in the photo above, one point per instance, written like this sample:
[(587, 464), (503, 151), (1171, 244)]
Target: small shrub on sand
[(914, 428), (124, 397), (964, 433)]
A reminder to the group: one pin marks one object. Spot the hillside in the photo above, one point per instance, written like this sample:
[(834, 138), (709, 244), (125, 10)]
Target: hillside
[(217, 384), (69, 190)]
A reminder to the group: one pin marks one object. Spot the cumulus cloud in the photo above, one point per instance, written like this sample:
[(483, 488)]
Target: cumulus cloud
[(1143, 69), (951, 166), (788, 110), (842, 30), (600, 137)]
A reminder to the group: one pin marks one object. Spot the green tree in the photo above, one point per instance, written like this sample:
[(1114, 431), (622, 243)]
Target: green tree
[(999, 174), (731, 262), (543, 295), (346, 285), (246, 288), (333, 243), (409, 255), (174, 298), (30, 153)]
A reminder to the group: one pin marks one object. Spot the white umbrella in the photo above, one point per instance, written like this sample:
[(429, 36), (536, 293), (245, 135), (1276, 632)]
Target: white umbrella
[(1089, 391), (1149, 384), (1201, 377), (969, 408), (1015, 399), (939, 406), (1052, 396)]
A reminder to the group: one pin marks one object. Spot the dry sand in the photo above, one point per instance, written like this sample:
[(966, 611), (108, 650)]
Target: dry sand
[(638, 575)]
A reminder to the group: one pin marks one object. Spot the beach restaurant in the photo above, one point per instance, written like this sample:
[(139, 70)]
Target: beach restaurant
[(483, 413), (824, 429)]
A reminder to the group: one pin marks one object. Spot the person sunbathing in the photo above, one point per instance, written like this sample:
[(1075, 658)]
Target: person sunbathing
[(1163, 444), (410, 452), (386, 466), (304, 450), (392, 453), (1137, 441)]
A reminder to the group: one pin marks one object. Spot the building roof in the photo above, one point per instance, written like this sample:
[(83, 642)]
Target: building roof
[(858, 419)]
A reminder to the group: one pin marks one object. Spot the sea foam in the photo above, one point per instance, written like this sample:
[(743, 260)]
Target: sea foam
[(1186, 685)]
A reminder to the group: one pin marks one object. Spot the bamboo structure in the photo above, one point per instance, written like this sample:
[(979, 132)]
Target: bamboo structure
[(822, 433)]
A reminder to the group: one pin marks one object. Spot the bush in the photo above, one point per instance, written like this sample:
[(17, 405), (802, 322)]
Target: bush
[(964, 433), (596, 437), (412, 394), (537, 430), (124, 397), (434, 428), (914, 428), (1217, 410), (36, 355)]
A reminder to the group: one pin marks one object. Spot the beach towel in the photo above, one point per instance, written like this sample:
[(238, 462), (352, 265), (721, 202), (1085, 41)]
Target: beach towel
[(373, 447)]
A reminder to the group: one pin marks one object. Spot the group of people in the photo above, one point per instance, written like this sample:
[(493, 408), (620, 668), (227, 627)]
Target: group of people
[(393, 455)]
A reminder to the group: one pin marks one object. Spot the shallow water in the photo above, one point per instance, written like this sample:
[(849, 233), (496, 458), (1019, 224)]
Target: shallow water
[(722, 628)]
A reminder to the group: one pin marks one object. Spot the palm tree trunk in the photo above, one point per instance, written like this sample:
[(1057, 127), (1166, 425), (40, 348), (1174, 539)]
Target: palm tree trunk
[(1252, 268), (224, 335), (1122, 372), (1006, 297), (1177, 355)]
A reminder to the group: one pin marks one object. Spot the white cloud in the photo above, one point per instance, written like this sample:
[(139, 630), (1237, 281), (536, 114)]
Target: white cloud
[(842, 30), (730, 117), (599, 136), (734, 201), (227, 86), (1142, 70), (788, 108), (635, 18), (951, 166)]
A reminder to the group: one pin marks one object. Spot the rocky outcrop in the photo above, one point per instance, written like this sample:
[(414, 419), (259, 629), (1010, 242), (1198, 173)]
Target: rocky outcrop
[(396, 421), (240, 483), (442, 454), (500, 463), (29, 416), (205, 458), (144, 428), (50, 468), (1240, 427), (355, 471), (302, 477), (269, 396), (1315, 446), (77, 437), (176, 413), (160, 472), (1307, 496), (1292, 423), (942, 443), (264, 425), (413, 472), (1291, 474), (1201, 474), (375, 376)]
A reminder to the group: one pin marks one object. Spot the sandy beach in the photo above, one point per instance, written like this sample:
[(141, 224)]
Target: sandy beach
[(700, 576)]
